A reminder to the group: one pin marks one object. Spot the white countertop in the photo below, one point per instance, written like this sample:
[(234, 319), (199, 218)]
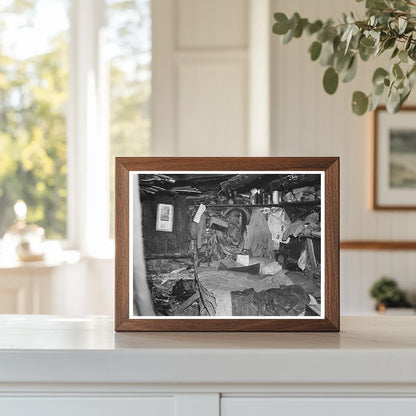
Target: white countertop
[(52, 349)]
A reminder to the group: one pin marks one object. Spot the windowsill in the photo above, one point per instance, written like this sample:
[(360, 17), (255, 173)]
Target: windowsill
[(63, 258), (55, 256)]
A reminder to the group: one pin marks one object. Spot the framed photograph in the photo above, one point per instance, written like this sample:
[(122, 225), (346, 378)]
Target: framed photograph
[(394, 178), (227, 244), (164, 217)]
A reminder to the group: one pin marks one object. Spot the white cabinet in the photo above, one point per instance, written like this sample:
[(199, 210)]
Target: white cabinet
[(88, 406), (38, 287), (79, 366), (26, 291), (202, 405), (269, 406), (69, 286)]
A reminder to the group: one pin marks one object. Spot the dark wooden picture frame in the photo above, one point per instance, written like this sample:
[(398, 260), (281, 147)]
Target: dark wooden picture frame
[(376, 204), (327, 165)]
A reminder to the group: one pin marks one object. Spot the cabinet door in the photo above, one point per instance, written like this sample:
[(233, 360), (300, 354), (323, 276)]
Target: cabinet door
[(16, 289), (269, 406), (88, 406)]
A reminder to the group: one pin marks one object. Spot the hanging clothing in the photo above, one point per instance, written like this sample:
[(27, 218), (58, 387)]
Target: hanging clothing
[(259, 238), (278, 223)]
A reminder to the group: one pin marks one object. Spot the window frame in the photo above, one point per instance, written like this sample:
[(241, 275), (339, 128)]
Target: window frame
[(88, 133)]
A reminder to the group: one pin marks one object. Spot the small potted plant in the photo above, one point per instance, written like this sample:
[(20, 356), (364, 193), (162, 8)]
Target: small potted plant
[(387, 294)]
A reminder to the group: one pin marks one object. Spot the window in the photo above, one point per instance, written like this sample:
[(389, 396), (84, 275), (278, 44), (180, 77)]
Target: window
[(33, 102), (75, 87), (129, 45)]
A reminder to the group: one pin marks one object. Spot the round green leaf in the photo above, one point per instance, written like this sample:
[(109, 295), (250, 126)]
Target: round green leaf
[(408, 42), (412, 52), (342, 62), (366, 53), (367, 42), (395, 52), (351, 71), (389, 43), (397, 71), (400, 5), (404, 96), (378, 90), (298, 30), (282, 25), (315, 50), (315, 27), (288, 37), (359, 103), (376, 4), (330, 81), (411, 76), (403, 56), (374, 102), (322, 36), (327, 53), (379, 75), (393, 101), (294, 20), (412, 70)]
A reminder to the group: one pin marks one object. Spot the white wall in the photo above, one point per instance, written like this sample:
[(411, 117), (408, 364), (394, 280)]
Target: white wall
[(308, 122), (202, 88), (204, 91)]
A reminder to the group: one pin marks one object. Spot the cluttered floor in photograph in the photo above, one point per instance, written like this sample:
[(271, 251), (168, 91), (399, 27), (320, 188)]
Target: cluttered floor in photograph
[(289, 293)]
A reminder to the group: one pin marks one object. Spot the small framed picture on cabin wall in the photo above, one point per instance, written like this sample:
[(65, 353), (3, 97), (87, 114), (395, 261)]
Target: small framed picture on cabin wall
[(164, 217), (394, 150), (227, 244)]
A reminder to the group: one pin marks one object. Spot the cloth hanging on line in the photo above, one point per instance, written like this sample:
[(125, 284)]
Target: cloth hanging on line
[(259, 238), (278, 222)]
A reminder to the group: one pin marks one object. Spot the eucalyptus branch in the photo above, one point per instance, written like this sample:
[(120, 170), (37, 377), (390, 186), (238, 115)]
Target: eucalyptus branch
[(389, 25)]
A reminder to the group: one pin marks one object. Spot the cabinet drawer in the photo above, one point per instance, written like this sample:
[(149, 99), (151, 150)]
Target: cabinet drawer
[(272, 406), (87, 406)]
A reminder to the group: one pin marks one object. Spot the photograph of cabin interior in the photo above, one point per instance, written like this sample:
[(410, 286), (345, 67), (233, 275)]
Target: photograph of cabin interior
[(232, 243)]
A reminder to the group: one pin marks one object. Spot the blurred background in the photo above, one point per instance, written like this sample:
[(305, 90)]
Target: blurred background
[(83, 81)]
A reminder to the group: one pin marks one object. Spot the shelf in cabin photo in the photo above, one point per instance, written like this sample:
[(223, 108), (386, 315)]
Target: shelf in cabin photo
[(281, 205)]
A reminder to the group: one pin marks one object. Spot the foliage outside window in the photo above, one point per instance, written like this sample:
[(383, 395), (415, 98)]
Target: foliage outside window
[(33, 101), (34, 85), (129, 46)]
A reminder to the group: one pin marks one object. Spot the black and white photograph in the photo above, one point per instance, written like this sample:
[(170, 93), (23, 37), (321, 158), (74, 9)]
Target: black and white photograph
[(227, 244)]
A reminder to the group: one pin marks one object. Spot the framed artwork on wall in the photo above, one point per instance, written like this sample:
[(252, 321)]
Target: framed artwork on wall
[(227, 244), (394, 150), (164, 217)]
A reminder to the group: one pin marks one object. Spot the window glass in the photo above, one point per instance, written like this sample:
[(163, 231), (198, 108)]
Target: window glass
[(33, 103), (129, 52)]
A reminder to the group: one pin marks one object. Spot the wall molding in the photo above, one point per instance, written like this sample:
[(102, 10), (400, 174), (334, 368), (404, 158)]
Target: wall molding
[(378, 245)]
